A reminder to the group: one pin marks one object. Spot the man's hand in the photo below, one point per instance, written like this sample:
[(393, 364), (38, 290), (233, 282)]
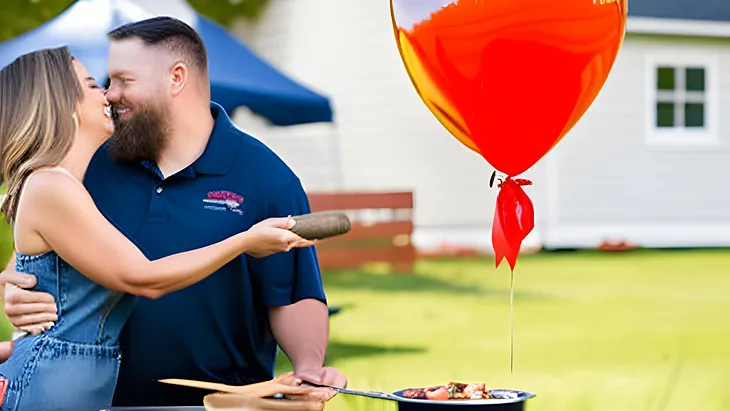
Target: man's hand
[(324, 376), (30, 311), (256, 396), (6, 349)]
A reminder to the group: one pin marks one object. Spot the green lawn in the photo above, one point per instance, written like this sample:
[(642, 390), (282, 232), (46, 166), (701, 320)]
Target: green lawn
[(646, 330)]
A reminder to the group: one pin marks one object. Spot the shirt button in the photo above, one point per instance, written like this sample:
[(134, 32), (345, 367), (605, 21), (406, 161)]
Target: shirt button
[(158, 190)]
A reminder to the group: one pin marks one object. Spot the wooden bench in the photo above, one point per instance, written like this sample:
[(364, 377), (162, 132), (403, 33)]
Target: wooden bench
[(382, 224)]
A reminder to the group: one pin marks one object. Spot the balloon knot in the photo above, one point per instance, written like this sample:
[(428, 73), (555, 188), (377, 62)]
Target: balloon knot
[(501, 180), (523, 182)]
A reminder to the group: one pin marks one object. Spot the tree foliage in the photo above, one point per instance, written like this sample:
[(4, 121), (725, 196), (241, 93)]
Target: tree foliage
[(225, 12), (19, 16)]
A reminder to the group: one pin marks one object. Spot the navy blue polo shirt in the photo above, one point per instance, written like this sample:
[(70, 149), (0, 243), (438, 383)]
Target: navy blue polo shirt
[(216, 330)]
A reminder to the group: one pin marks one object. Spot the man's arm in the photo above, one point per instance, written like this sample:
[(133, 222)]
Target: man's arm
[(6, 347), (31, 311), (291, 284), (302, 331), (10, 264), (10, 281)]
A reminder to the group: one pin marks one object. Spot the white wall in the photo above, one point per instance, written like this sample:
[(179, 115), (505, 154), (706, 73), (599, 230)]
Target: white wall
[(613, 184)]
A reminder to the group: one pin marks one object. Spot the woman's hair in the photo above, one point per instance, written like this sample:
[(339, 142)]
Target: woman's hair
[(39, 93)]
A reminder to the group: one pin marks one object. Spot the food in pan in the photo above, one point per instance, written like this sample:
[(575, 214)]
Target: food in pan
[(450, 391)]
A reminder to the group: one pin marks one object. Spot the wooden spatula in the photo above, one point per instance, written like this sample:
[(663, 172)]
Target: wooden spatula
[(212, 386), (260, 390)]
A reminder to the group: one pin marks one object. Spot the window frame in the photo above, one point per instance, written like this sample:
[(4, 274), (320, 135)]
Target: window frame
[(705, 136)]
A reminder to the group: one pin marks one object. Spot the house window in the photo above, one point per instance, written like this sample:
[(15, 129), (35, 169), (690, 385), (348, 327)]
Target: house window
[(681, 97), (682, 101)]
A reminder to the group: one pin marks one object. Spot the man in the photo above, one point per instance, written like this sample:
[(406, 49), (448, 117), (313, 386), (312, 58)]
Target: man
[(179, 175)]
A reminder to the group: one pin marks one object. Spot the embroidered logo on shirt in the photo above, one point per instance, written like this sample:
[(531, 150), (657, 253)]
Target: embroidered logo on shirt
[(223, 200)]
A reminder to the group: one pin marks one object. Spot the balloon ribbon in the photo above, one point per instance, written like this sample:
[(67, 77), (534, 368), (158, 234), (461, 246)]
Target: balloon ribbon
[(514, 219)]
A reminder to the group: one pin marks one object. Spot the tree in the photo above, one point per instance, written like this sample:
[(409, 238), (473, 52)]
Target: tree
[(19, 16), (225, 12)]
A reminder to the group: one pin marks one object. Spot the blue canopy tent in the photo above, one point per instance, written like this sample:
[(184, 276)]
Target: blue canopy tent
[(238, 77)]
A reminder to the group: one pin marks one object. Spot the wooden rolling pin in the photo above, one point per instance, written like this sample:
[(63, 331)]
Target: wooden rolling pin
[(321, 225)]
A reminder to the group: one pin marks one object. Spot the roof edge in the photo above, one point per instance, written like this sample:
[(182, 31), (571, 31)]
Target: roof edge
[(677, 27)]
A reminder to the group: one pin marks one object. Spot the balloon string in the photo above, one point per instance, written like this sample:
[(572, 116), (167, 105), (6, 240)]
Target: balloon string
[(512, 322)]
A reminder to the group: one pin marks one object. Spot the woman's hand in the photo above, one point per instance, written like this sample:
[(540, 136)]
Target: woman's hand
[(272, 236)]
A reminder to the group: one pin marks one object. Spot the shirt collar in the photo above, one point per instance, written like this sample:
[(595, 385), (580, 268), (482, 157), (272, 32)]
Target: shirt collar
[(222, 147)]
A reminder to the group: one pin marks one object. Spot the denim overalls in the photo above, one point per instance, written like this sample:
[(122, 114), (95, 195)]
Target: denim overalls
[(74, 365)]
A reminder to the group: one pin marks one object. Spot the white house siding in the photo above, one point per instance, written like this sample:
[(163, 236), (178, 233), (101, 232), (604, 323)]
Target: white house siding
[(609, 183), (388, 140)]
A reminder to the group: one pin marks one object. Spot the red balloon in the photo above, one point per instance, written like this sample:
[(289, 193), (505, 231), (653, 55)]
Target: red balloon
[(509, 78)]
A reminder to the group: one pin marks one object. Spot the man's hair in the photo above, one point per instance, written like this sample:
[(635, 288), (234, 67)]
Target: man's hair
[(178, 37)]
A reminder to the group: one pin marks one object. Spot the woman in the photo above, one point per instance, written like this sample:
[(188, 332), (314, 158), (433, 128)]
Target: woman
[(53, 117)]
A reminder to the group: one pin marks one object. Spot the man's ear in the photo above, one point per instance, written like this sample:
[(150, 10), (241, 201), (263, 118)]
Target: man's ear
[(178, 77)]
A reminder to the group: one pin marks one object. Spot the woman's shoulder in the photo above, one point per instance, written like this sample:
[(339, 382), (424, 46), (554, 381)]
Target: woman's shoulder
[(50, 183), (48, 195)]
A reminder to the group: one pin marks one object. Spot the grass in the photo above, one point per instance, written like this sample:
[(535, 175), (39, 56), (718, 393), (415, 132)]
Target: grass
[(645, 330)]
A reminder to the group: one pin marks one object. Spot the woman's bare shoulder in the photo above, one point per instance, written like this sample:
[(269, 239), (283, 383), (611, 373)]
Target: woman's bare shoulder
[(47, 196), (51, 184)]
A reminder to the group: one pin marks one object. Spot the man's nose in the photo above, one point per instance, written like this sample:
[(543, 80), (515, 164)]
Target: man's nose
[(112, 95)]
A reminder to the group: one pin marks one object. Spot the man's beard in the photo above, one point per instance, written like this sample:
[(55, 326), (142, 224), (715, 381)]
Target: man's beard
[(143, 136)]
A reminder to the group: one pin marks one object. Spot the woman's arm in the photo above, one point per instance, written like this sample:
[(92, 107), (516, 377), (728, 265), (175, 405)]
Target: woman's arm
[(63, 213)]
